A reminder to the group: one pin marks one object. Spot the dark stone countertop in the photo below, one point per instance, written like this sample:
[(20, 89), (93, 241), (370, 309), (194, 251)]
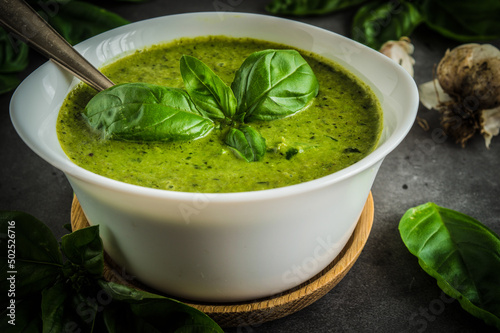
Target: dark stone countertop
[(386, 290)]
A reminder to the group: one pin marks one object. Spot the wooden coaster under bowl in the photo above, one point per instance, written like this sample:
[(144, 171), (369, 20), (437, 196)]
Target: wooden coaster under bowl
[(270, 308)]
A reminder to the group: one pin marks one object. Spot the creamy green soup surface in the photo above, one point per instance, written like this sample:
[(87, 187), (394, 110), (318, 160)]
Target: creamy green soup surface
[(342, 126)]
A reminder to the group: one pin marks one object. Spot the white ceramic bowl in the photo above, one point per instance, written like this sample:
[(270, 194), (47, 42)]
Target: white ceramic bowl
[(221, 247)]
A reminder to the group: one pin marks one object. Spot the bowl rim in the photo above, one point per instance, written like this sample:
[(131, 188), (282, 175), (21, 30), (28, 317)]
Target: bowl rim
[(377, 155)]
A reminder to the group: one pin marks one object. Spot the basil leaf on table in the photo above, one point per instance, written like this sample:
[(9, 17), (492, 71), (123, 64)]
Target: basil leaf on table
[(381, 21), (146, 112), (462, 254), (145, 310), (463, 21), (8, 82), (75, 296), (246, 143), (38, 260), (273, 84), (155, 316), (53, 308), (13, 53), (206, 89), (310, 7), (78, 20), (84, 248), (122, 292), (13, 59), (170, 316)]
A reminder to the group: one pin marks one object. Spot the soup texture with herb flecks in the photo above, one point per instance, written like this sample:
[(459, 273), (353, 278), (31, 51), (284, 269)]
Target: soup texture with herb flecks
[(340, 127)]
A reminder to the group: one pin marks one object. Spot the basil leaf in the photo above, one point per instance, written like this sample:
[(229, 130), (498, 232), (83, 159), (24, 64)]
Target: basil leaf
[(13, 53), (87, 304), (168, 315), (273, 84), (77, 20), (463, 21), (146, 312), (29, 249), (8, 82), (247, 143), (13, 59), (380, 21), (206, 89), (119, 318), (53, 308), (462, 254), (124, 293), (146, 112), (309, 7), (83, 248)]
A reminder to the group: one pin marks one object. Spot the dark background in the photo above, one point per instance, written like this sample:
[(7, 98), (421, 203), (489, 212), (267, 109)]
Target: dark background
[(386, 290)]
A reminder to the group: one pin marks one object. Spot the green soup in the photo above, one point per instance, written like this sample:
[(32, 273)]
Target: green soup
[(341, 127)]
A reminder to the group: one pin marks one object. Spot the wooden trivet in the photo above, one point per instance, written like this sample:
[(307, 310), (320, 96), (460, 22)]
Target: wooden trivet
[(266, 309)]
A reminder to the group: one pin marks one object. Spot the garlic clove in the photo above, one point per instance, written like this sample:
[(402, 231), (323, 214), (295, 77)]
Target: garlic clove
[(400, 51), (490, 123), (432, 95)]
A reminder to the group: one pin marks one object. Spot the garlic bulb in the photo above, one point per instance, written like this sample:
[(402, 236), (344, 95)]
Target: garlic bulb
[(466, 92)]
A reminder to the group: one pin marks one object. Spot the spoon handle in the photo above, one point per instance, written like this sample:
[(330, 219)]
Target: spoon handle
[(22, 20)]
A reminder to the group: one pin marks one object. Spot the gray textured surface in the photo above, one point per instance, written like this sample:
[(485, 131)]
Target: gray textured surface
[(386, 291)]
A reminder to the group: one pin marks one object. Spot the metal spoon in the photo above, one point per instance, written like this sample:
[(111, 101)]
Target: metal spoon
[(23, 21)]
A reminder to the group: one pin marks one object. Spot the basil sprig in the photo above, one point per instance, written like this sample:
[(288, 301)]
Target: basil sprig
[(56, 295), (270, 84)]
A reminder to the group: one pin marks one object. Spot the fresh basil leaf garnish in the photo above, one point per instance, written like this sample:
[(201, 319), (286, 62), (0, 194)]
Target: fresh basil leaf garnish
[(206, 89), (146, 112), (247, 143), (270, 84), (273, 84), (38, 260), (462, 254)]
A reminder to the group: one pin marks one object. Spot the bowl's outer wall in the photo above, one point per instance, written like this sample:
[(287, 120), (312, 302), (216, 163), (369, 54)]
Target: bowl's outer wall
[(212, 251), (226, 247)]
